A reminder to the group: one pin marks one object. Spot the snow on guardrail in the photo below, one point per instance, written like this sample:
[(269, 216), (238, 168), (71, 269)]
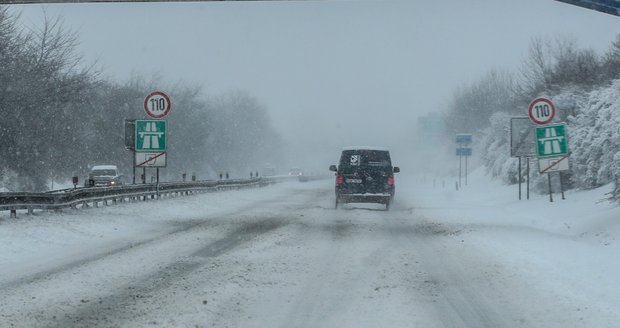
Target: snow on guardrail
[(93, 196)]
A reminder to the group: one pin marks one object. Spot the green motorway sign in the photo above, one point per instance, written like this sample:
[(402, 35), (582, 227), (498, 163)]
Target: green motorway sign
[(551, 140), (150, 135)]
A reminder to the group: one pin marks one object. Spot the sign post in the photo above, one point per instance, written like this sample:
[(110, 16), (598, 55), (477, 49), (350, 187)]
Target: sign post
[(150, 145), (522, 146), (147, 138), (463, 140), (130, 142), (551, 141)]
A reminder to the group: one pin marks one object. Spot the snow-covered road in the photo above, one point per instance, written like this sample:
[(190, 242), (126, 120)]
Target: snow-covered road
[(283, 257)]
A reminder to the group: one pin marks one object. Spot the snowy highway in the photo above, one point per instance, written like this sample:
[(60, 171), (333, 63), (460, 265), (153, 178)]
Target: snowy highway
[(283, 257)]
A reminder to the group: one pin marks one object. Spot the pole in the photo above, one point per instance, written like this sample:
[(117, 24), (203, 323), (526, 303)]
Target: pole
[(144, 175), (158, 182), (561, 184), (460, 160), (550, 191), (519, 177), (466, 169), (528, 177), (134, 166)]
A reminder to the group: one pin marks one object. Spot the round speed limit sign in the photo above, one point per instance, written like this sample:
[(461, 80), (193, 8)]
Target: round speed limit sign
[(541, 111), (157, 104)]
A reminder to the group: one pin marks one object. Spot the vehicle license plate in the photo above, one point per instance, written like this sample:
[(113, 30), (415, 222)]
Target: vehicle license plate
[(354, 180)]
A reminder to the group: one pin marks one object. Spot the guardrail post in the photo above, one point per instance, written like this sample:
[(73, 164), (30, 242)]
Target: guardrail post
[(13, 213), (30, 211)]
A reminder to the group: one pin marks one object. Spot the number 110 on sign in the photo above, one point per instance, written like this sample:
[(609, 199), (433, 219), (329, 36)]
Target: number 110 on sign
[(541, 111), (157, 104)]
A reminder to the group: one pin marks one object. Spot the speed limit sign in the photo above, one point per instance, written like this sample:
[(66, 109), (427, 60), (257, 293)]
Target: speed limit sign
[(157, 104), (541, 111)]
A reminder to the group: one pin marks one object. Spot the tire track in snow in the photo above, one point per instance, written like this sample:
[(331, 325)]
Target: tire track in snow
[(121, 305), (48, 274)]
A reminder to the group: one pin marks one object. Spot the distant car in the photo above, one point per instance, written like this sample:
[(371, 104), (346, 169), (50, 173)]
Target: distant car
[(104, 176), (295, 171), (365, 175)]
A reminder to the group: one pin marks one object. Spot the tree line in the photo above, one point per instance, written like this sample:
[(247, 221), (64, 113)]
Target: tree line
[(584, 86), (59, 117)]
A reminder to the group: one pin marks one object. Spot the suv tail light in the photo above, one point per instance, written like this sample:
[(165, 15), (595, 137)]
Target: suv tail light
[(339, 180), (391, 180)]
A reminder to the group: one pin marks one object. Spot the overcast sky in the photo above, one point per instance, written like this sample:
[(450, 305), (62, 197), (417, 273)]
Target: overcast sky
[(331, 73)]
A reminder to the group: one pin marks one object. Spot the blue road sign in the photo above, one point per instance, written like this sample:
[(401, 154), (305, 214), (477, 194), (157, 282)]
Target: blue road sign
[(463, 138), (463, 152)]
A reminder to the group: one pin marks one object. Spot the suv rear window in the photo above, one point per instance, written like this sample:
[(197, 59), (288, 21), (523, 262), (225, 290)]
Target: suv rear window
[(365, 158)]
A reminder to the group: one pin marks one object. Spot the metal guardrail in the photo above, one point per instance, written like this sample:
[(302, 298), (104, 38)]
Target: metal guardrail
[(93, 196)]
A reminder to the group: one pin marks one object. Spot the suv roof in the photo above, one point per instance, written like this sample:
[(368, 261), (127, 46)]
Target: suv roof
[(104, 167), (364, 148)]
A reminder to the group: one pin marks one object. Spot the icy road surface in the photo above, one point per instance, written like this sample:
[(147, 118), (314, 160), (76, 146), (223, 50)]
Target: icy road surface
[(283, 257)]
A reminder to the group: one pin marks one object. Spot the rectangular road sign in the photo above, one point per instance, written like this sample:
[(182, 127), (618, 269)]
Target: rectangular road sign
[(130, 134), (463, 152), (551, 140), (553, 164), (151, 159), (150, 135), (522, 137), (463, 138)]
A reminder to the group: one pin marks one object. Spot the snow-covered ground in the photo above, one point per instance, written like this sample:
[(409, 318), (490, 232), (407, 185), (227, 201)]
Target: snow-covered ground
[(282, 256), (566, 249)]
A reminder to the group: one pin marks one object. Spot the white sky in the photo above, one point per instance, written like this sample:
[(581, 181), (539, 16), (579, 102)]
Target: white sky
[(331, 73)]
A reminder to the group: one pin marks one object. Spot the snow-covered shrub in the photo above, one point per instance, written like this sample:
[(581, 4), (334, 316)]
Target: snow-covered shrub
[(594, 138)]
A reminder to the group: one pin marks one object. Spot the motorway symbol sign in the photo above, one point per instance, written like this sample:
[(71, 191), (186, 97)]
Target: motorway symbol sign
[(151, 159), (553, 164), (157, 104), (551, 141), (541, 111), (150, 136)]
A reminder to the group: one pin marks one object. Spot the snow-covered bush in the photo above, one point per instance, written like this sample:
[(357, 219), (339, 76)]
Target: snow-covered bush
[(595, 138)]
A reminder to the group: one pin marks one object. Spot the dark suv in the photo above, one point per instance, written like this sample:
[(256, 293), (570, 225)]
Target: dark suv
[(365, 175)]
